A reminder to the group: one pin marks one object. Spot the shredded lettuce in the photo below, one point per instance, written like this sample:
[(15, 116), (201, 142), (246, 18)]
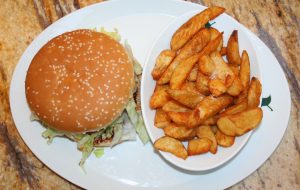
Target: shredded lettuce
[(50, 134), (134, 115), (73, 136), (137, 121), (141, 129), (33, 117), (114, 35), (99, 152), (118, 130), (129, 132), (86, 145), (136, 65)]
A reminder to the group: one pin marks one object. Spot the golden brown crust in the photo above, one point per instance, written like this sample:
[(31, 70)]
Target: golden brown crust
[(79, 81), (189, 28)]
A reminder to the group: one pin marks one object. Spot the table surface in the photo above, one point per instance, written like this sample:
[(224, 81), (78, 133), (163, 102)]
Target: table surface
[(273, 21)]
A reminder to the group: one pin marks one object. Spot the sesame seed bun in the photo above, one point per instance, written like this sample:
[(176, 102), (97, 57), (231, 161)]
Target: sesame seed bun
[(79, 81)]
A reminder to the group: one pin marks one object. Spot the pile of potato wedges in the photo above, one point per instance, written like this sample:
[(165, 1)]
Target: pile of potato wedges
[(204, 93)]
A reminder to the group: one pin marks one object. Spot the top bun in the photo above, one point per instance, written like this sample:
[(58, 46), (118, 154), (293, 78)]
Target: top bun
[(79, 81)]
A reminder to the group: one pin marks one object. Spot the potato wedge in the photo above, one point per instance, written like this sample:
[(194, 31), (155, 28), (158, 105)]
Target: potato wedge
[(236, 87), (202, 84), (180, 118), (206, 65), (174, 106), (211, 46), (214, 33), (223, 51), (233, 54), (235, 69), (222, 70), (161, 119), (214, 129), (241, 97), (189, 99), (240, 123), (190, 86), (224, 140), (205, 131), (159, 96), (245, 70), (210, 121), (168, 144), (222, 76), (193, 74), (198, 146), (189, 29), (162, 62), (194, 46), (254, 93), (207, 108), (179, 132), (217, 87), (182, 71), (235, 108)]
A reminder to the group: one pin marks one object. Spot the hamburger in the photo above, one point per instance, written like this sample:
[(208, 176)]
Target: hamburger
[(82, 85)]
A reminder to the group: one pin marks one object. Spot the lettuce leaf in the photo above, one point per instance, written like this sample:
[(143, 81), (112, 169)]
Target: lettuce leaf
[(141, 129), (137, 121), (86, 146), (50, 134), (129, 132), (33, 117), (114, 35), (136, 65), (99, 152)]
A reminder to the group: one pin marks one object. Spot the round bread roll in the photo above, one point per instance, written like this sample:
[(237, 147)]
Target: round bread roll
[(79, 81)]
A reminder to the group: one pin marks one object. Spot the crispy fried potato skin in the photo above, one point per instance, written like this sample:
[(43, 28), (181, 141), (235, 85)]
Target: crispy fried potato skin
[(235, 109), (245, 70), (206, 132), (198, 146), (160, 96), (188, 29), (162, 62), (202, 83), (172, 105), (240, 123), (180, 118), (186, 98), (224, 140), (179, 132), (182, 71), (169, 144), (207, 108), (254, 93), (233, 54), (161, 119), (193, 74)]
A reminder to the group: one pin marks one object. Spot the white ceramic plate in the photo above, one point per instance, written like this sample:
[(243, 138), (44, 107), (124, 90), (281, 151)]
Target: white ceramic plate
[(205, 161), (132, 165)]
